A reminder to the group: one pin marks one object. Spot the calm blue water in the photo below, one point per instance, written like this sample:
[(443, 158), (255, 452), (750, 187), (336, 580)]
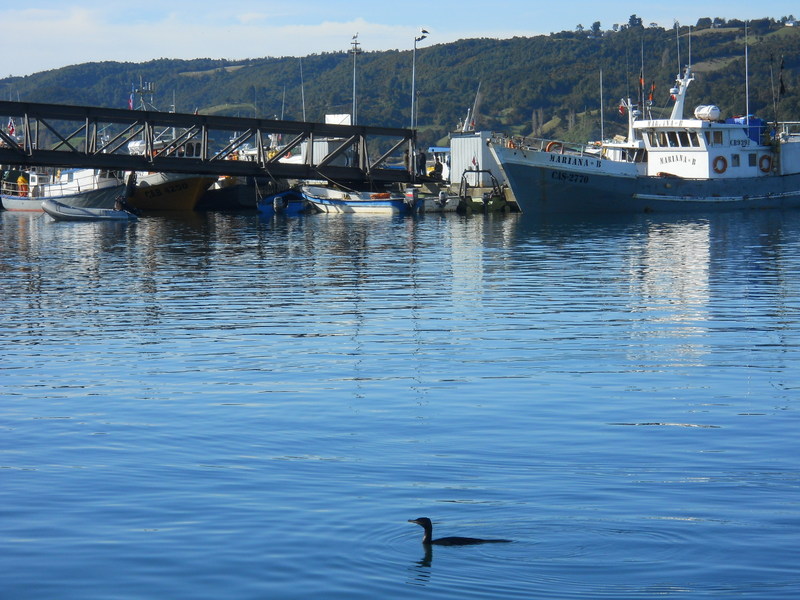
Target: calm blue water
[(216, 406)]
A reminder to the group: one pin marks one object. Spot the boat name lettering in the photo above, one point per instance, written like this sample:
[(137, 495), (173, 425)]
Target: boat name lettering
[(578, 161), (167, 189), (676, 158), (744, 143), (569, 177)]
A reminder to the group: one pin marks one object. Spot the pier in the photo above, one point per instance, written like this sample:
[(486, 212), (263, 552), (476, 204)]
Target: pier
[(58, 135)]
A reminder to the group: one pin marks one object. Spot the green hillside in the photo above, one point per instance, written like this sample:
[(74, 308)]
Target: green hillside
[(546, 85)]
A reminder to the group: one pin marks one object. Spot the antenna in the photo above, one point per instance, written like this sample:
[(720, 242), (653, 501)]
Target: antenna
[(746, 81)]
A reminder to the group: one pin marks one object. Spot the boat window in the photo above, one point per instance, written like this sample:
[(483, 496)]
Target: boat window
[(735, 160), (653, 138), (708, 137), (684, 138), (673, 139), (717, 137), (662, 139), (751, 159), (695, 142)]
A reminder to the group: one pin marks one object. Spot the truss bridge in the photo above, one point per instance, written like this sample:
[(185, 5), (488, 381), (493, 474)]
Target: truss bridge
[(54, 135)]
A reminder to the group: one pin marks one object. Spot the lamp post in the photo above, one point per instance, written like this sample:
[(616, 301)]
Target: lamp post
[(355, 50), (422, 35)]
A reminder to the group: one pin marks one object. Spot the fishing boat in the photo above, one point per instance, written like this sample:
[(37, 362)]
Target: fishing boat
[(168, 191), (332, 200), (675, 164), (64, 212), (24, 191), (290, 203)]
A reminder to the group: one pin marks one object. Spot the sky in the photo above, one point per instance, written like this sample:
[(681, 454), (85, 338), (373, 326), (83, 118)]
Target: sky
[(48, 34)]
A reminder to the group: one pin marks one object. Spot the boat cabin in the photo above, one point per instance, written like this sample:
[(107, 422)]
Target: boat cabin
[(705, 147)]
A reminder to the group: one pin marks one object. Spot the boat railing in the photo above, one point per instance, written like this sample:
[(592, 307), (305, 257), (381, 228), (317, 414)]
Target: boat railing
[(12, 188), (535, 144), (789, 130)]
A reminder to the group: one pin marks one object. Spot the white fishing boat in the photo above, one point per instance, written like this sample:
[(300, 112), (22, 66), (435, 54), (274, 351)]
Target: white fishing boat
[(674, 164), (63, 212), (87, 188), (332, 200)]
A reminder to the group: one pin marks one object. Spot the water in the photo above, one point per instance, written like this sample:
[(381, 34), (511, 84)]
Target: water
[(215, 406)]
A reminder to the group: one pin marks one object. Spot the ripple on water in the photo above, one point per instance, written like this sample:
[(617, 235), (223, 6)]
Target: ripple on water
[(217, 406)]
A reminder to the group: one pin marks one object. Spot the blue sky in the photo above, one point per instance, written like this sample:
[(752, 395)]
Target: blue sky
[(46, 34)]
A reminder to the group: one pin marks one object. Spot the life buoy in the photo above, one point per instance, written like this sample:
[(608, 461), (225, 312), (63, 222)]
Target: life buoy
[(551, 145), (720, 164), (765, 163)]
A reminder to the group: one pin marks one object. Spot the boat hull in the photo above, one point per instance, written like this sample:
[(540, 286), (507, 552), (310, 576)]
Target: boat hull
[(169, 191), (290, 203), (332, 201), (546, 182), (64, 212), (102, 198)]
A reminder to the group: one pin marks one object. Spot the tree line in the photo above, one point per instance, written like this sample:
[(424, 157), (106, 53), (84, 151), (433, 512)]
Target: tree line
[(540, 85)]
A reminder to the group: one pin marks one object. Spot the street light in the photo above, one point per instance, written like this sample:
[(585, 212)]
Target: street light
[(422, 35), (354, 51)]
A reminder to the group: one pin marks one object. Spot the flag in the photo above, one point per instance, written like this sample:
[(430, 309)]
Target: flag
[(130, 102), (11, 127)]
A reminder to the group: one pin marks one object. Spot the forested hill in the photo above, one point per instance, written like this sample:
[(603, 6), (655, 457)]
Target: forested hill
[(547, 84)]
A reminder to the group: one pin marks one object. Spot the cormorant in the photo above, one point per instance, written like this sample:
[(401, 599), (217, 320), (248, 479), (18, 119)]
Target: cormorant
[(427, 540)]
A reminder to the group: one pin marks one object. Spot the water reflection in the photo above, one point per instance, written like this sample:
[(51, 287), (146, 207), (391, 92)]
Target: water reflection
[(532, 367), (421, 569)]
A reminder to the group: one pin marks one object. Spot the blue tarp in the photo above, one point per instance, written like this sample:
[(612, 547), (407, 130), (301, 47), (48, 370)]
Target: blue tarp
[(755, 130)]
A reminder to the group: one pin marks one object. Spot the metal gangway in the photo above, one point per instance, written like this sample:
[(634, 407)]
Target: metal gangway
[(66, 136)]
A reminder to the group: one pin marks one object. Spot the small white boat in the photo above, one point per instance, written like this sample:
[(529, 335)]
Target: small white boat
[(64, 212), (331, 200)]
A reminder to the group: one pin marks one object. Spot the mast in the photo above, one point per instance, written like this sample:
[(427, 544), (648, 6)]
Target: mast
[(302, 90), (602, 122), (356, 50), (681, 86)]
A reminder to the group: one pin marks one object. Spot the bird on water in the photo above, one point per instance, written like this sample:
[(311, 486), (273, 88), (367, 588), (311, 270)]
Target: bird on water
[(427, 538)]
